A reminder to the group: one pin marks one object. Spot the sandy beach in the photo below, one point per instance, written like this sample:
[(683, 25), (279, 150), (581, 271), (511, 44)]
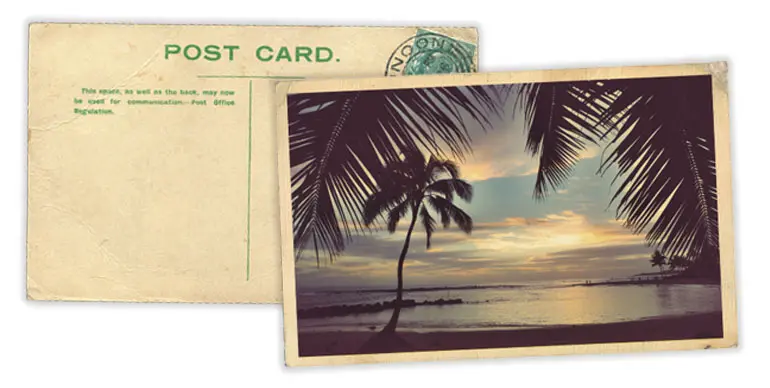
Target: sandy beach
[(659, 329)]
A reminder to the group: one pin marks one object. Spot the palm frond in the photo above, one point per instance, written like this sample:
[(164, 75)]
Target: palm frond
[(381, 202), (439, 208), (561, 118), (339, 143), (449, 187), (436, 167), (663, 146), (661, 140), (428, 223), (396, 214), (461, 218)]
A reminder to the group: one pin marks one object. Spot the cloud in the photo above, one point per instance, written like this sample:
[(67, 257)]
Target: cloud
[(554, 231), (475, 170), (499, 153), (591, 151), (502, 153), (507, 223), (563, 244), (581, 256)]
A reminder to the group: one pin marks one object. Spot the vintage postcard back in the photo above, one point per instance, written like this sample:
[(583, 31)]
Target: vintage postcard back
[(152, 173), (506, 214)]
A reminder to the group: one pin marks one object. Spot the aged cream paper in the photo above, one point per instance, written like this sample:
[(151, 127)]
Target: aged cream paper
[(718, 76), (151, 151)]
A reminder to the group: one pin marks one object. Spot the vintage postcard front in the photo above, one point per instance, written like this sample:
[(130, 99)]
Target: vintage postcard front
[(152, 172), (506, 214)]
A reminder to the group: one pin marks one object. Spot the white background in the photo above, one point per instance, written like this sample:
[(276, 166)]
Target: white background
[(174, 345)]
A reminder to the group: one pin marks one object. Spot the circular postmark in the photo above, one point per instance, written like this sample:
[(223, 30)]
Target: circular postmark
[(431, 53)]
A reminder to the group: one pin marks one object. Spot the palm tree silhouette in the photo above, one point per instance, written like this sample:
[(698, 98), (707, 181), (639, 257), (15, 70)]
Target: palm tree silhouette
[(658, 260), (414, 185)]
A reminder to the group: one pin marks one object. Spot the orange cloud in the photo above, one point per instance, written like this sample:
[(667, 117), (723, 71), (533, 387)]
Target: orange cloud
[(553, 232)]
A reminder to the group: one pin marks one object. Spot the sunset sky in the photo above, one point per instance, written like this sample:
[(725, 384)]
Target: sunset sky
[(573, 234)]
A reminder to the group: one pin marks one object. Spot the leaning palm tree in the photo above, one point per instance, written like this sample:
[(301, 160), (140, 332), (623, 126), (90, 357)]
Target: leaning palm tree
[(415, 186)]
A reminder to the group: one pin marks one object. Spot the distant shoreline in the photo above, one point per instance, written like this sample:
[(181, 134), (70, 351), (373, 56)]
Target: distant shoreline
[(625, 281), (421, 289), (708, 325), (368, 308), (651, 280)]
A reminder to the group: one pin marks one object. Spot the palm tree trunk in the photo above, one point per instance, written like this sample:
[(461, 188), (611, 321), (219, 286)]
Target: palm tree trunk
[(391, 326)]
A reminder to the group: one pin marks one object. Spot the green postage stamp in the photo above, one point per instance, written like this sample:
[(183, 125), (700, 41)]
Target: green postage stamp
[(429, 52)]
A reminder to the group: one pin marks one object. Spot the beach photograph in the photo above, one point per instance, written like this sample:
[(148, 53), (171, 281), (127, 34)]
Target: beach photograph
[(504, 216)]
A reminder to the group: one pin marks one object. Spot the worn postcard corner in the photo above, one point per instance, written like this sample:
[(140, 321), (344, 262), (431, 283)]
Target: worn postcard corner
[(719, 71)]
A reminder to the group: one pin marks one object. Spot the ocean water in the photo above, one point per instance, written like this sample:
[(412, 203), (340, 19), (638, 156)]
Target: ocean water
[(516, 307)]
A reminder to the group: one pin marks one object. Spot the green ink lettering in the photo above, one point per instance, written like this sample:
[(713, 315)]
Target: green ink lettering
[(172, 49), (283, 53), (318, 57), (265, 48), (212, 53), (303, 52), (231, 50), (197, 52)]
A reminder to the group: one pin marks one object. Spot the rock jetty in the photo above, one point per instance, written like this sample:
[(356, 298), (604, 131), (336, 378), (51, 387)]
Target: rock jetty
[(368, 308)]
